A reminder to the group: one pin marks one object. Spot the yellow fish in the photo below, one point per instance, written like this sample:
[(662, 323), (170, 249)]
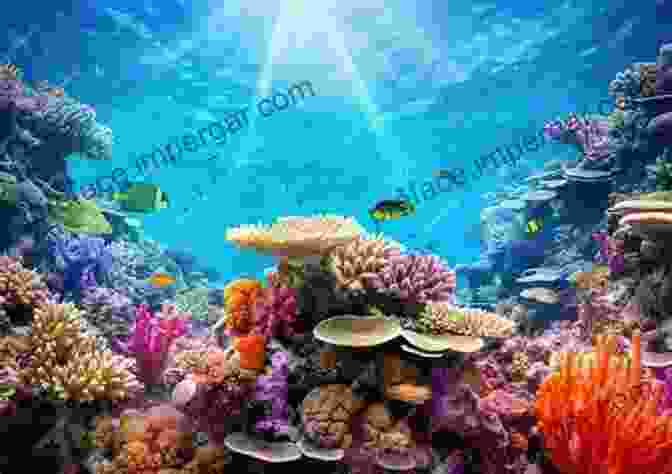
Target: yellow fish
[(533, 226), (391, 209), (161, 279)]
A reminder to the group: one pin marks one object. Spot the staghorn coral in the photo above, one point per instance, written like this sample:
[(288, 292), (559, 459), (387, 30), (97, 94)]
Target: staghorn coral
[(597, 418), (297, 236), (240, 297), (416, 279), (21, 291), (442, 318), (357, 262), (66, 361)]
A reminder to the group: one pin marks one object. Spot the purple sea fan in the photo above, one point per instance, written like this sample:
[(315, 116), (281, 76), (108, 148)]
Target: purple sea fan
[(416, 279), (275, 312)]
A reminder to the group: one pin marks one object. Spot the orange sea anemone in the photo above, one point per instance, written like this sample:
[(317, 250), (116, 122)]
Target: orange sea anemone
[(598, 417), (239, 298)]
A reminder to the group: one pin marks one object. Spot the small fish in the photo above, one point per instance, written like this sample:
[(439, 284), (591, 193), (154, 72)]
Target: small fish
[(142, 197), (161, 280), (533, 226), (391, 209)]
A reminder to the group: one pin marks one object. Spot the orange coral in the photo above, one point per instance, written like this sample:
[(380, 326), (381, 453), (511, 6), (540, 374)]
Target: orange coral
[(595, 279), (598, 418), (239, 297), (252, 351)]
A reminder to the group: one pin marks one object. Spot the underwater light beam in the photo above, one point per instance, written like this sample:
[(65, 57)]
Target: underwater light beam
[(297, 23)]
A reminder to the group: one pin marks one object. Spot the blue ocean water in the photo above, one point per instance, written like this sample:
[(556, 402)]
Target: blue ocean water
[(401, 90)]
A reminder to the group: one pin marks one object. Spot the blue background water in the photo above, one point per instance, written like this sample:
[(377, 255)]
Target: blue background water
[(402, 89)]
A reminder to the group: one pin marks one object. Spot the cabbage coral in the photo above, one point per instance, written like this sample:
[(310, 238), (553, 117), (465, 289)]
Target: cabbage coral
[(415, 279), (21, 291), (356, 263), (66, 361), (240, 297), (597, 419), (297, 236), (442, 318)]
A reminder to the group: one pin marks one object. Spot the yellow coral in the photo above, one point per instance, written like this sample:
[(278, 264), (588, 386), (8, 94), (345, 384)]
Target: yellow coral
[(66, 360), (443, 318), (595, 279), (297, 236), (353, 262)]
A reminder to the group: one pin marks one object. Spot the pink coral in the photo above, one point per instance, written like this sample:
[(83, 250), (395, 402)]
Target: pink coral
[(416, 278), (275, 312)]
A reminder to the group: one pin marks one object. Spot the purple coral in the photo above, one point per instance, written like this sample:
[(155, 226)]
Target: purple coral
[(85, 260), (611, 251), (149, 342), (274, 388), (416, 278), (13, 94), (591, 136), (275, 312)]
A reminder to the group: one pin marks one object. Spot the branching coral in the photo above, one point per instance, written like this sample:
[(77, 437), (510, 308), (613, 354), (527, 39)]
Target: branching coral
[(416, 278), (611, 251), (359, 261), (275, 312), (240, 297), (273, 388), (149, 342), (66, 361), (297, 236), (442, 318), (153, 442), (21, 291), (596, 278), (218, 396), (597, 419), (110, 310)]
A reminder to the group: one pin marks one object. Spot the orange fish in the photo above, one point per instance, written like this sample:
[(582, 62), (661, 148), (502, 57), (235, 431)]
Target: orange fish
[(161, 279)]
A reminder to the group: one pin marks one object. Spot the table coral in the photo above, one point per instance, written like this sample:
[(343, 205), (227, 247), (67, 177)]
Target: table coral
[(597, 419), (297, 236)]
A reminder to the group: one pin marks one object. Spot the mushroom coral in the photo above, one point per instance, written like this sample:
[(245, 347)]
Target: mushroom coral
[(598, 418)]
